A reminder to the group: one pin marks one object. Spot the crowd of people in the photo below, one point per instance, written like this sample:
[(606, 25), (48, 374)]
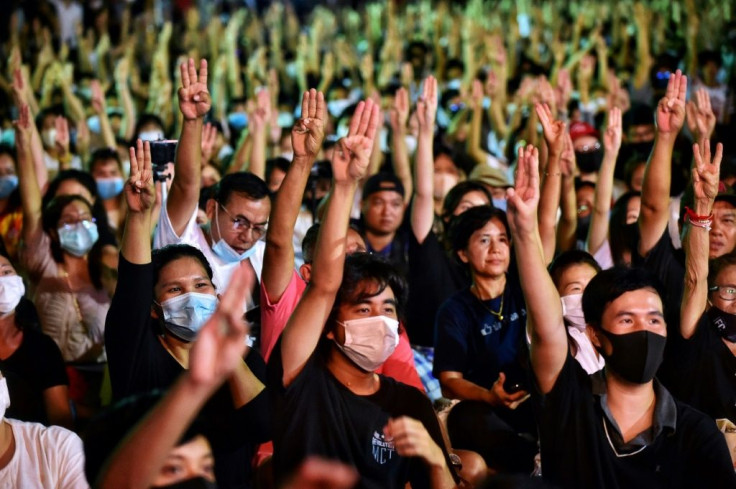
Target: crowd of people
[(339, 244)]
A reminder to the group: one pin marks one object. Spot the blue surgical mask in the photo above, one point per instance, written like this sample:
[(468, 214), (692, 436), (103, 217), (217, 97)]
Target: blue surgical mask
[(500, 204), (78, 238), (184, 315), (109, 188), (237, 120), (8, 183), (93, 123), (225, 251), (8, 137)]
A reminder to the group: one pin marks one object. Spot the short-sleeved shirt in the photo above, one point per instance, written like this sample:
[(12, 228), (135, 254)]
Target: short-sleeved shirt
[(317, 415), (45, 458), (31, 369), (577, 443), (74, 319), (479, 344)]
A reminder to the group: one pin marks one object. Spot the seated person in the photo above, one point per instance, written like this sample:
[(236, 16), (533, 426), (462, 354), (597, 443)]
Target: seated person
[(620, 428), (328, 400)]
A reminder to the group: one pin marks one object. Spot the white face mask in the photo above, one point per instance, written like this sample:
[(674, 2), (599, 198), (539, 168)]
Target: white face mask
[(443, 182), (184, 315), (4, 397), (411, 143), (150, 135), (572, 310), (11, 291), (48, 137), (370, 341)]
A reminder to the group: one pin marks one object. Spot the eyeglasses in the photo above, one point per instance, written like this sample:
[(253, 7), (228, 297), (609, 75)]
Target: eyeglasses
[(243, 223), (68, 222), (725, 292)]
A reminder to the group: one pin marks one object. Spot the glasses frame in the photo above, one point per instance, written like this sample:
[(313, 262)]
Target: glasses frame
[(243, 223), (719, 288)]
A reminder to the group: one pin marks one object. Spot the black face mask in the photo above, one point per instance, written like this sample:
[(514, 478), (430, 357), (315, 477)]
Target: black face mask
[(724, 322), (581, 232), (636, 356), (193, 483), (590, 161)]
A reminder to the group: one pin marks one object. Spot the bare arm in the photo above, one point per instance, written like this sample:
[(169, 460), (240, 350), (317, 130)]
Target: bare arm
[(350, 163), (705, 187), (30, 193), (400, 153), (261, 117), (306, 139), (194, 103), (100, 108), (473, 145), (655, 191), (549, 347), (422, 209), (549, 200), (140, 196), (56, 401), (568, 201)]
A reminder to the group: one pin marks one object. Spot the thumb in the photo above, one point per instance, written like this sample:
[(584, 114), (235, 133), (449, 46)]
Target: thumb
[(501, 378)]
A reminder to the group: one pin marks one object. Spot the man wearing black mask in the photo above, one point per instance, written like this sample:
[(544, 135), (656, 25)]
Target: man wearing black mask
[(588, 149)]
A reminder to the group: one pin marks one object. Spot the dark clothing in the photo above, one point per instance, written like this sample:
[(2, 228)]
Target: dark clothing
[(317, 415), (705, 373), (138, 362), (668, 264), (577, 441), (35, 366), (433, 278)]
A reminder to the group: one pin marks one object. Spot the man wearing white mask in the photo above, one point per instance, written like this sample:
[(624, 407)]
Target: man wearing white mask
[(328, 400), (33, 456)]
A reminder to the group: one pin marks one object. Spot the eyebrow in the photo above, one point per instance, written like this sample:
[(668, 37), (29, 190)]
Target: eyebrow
[(649, 313), (241, 216), (178, 281)]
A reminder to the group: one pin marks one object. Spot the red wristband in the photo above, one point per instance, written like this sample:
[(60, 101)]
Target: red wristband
[(692, 216)]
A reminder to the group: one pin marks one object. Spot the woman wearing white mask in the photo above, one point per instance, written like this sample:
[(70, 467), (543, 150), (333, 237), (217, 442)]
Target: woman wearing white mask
[(11, 214), (160, 303), (328, 400), (56, 241), (30, 361)]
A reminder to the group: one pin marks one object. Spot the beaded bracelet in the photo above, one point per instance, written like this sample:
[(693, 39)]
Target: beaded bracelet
[(694, 219)]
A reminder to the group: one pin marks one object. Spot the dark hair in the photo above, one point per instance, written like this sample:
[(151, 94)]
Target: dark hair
[(310, 240), (463, 226), (55, 111), (6, 149), (147, 118), (717, 265), (631, 165), (94, 259), (621, 236), (456, 194), (610, 284), (14, 197), (103, 154), (366, 275), (279, 163), (107, 430), (638, 115), (163, 256), (569, 258), (50, 219), (252, 186)]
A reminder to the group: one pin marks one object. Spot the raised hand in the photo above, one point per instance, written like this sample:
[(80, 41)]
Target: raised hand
[(140, 194), (62, 135), (707, 170), (400, 110), (220, 344), (700, 117), (194, 98), (427, 105), (554, 130), (523, 198), (98, 98), (261, 115), (309, 131), (671, 108), (23, 129), (350, 160), (567, 157), (476, 94), (209, 137), (613, 134)]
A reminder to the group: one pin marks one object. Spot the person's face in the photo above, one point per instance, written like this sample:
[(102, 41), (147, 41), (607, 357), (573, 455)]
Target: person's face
[(726, 277), (637, 177), (7, 165), (473, 198), (383, 212), (192, 459), (74, 187), (633, 206), (6, 268), (74, 212), (636, 310), (489, 250), (575, 278), (723, 230), (182, 276), (382, 304), (640, 133), (106, 169), (241, 222), (584, 196)]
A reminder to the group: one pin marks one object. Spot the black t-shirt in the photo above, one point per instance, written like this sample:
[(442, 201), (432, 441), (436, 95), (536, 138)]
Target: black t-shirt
[(433, 277), (477, 343), (138, 363), (576, 452), (668, 264), (317, 415), (704, 371), (34, 367)]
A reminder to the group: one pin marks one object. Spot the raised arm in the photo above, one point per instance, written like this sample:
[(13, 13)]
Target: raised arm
[(701, 121), (140, 196), (549, 199), (100, 108), (549, 339), (598, 230), (259, 131), (473, 145), (30, 193), (349, 165), (216, 353), (306, 140), (194, 103), (655, 191), (422, 208), (705, 188), (399, 151), (22, 94)]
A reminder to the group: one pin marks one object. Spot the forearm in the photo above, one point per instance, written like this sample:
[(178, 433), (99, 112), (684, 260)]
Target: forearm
[(549, 201), (257, 165), (108, 136), (695, 291), (655, 192), (473, 144), (439, 473), (126, 102), (598, 230), (401, 163), (184, 193), (242, 152), (464, 390), (136, 243), (244, 385), (422, 211), (568, 215)]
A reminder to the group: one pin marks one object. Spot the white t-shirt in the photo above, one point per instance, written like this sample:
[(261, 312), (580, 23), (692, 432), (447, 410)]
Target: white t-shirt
[(45, 458), (194, 236)]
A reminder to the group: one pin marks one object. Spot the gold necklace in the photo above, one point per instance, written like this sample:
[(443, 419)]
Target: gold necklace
[(499, 313)]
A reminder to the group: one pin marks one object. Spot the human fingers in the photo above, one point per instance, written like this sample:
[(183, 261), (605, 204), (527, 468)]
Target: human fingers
[(184, 71), (355, 121), (203, 71), (312, 109), (321, 106), (305, 105), (192, 70)]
